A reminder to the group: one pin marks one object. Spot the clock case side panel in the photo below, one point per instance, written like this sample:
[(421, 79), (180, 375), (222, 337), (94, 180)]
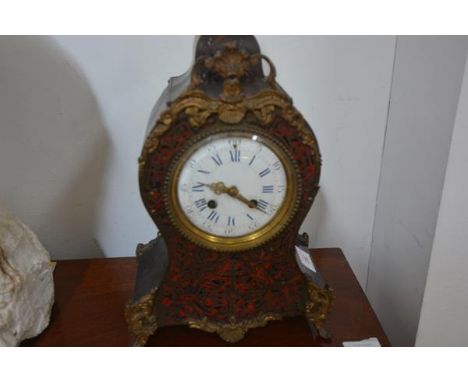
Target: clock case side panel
[(205, 288)]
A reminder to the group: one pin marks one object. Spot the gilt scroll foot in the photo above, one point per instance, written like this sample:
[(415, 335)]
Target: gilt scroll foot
[(141, 320), (317, 307)]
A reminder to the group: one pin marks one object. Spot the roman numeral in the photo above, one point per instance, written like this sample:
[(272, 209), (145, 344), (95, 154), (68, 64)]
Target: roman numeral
[(267, 189), (217, 160), (264, 172), (213, 216), (231, 221), (235, 155), (277, 165), (198, 187), (234, 142), (250, 217), (204, 172), (201, 204), (251, 161), (262, 204)]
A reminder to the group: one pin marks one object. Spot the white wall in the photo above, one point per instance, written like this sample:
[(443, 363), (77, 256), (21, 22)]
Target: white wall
[(54, 147), (127, 75), (73, 111), (342, 86), (425, 89), (444, 314)]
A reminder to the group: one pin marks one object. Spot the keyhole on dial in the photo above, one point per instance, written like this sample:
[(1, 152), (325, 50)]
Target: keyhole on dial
[(212, 204)]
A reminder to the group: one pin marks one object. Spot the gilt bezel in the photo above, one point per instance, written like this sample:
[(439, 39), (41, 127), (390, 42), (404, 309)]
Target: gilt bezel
[(248, 241)]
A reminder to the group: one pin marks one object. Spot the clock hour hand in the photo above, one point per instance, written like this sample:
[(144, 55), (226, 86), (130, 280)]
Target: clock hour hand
[(220, 188)]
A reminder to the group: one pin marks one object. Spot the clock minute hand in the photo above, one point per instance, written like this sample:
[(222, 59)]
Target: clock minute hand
[(220, 188), (234, 192)]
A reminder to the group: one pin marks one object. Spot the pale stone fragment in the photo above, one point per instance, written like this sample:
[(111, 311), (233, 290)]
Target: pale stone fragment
[(26, 282)]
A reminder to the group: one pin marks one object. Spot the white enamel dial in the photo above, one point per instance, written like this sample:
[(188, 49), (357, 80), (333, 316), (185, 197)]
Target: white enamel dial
[(231, 185)]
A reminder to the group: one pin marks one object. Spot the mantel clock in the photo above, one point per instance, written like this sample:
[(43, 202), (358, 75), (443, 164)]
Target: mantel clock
[(228, 172)]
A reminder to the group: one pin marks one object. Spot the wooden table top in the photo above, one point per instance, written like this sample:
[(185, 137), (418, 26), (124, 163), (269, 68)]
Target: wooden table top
[(90, 296)]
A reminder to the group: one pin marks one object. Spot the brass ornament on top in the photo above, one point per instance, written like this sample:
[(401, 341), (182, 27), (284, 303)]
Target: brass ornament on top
[(228, 167)]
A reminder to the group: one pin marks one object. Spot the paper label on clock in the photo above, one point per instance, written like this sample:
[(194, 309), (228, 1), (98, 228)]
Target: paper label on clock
[(304, 258)]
